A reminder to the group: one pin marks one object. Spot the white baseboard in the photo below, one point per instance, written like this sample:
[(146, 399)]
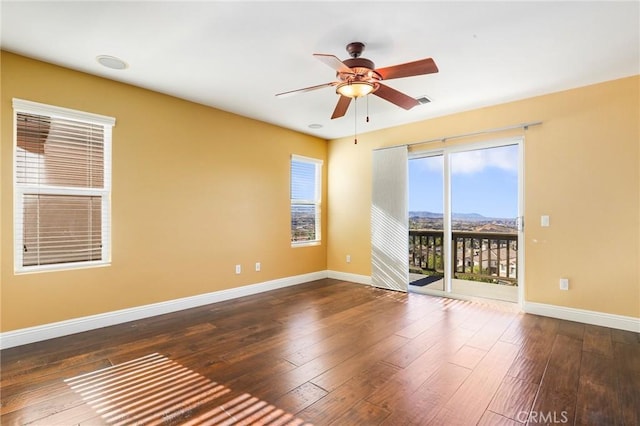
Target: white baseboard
[(345, 276), (571, 314), (584, 316), (77, 325)]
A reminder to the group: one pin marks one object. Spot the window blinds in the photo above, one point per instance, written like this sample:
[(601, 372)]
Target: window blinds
[(305, 199), (61, 229), (62, 186), (59, 153)]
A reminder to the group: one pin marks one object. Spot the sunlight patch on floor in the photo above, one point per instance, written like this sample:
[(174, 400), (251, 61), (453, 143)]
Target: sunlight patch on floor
[(154, 390)]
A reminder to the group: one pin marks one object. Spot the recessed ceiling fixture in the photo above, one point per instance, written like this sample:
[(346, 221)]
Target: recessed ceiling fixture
[(423, 100), (111, 62), (315, 126)]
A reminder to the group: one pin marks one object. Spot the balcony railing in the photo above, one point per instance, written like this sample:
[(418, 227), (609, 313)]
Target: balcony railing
[(477, 256)]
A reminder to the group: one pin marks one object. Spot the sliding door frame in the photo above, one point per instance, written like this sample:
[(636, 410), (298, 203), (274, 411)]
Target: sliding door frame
[(446, 205)]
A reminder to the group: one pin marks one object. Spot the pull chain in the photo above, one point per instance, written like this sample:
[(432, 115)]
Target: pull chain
[(355, 121), (367, 108)]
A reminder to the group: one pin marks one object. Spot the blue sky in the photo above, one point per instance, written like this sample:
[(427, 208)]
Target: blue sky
[(303, 178), (483, 181)]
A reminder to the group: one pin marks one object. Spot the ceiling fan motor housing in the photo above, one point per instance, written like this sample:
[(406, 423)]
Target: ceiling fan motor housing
[(362, 69), (355, 49)]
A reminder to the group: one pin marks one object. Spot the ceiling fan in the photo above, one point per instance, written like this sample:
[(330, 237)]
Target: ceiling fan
[(358, 77)]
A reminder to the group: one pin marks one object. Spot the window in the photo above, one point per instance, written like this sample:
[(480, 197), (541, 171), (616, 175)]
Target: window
[(62, 187), (306, 190)]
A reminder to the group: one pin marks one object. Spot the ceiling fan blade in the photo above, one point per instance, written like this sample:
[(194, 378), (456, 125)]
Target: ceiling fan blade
[(341, 107), (423, 66), (333, 62), (395, 97), (307, 89)]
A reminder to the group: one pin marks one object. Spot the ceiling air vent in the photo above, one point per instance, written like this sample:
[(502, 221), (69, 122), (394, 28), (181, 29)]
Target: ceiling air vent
[(423, 100)]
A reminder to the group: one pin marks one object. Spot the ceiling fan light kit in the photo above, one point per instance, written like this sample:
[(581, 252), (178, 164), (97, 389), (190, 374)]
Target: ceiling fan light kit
[(358, 77), (355, 89)]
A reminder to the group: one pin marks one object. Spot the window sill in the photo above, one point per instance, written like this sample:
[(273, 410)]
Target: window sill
[(306, 244), (60, 267)]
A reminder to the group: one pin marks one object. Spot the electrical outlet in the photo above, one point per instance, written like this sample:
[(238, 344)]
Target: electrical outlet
[(348, 258), (258, 266), (544, 221), (238, 269), (564, 284)]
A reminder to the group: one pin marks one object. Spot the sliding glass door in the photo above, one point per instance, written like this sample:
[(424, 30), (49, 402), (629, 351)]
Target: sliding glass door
[(426, 222), (464, 210)]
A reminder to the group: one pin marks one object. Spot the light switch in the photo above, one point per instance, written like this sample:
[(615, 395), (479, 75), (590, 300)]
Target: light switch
[(544, 220)]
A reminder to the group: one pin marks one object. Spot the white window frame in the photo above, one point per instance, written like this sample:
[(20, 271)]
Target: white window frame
[(317, 202), (20, 189)]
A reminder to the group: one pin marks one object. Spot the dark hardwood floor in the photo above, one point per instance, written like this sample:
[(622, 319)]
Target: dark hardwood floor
[(329, 352)]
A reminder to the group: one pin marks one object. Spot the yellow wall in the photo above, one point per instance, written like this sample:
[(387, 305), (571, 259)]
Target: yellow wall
[(581, 168), (195, 191)]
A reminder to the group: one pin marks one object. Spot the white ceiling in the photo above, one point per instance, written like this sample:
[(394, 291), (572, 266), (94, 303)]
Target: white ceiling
[(236, 56)]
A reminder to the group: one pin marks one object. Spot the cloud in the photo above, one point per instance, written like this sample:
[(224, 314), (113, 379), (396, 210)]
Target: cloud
[(469, 162), (431, 164)]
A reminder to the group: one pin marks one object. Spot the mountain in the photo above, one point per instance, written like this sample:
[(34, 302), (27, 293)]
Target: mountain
[(429, 215), (469, 217)]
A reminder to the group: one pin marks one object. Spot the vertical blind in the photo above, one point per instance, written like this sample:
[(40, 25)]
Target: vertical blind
[(390, 219), (62, 188), (305, 199)]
